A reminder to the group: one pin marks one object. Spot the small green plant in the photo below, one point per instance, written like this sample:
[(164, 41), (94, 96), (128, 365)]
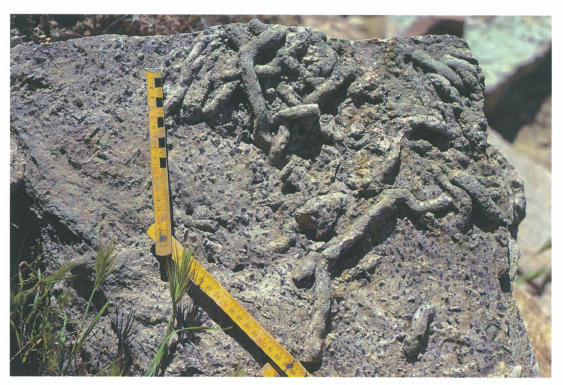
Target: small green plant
[(122, 325), (546, 270), (180, 276), (531, 275), (48, 342), (237, 372), (105, 263), (39, 324)]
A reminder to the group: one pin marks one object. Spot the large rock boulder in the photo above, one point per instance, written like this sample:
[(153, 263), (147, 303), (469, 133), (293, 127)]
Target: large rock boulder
[(344, 192)]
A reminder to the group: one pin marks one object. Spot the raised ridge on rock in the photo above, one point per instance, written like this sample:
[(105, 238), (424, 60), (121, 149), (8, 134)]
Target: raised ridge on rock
[(343, 191)]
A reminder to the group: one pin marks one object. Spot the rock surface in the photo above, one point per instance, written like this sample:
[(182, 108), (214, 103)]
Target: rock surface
[(343, 191), (515, 55), (534, 139), (535, 230), (506, 45), (538, 325)]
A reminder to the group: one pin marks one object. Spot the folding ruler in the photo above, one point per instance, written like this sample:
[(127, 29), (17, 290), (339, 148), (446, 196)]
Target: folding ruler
[(159, 162), (166, 244)]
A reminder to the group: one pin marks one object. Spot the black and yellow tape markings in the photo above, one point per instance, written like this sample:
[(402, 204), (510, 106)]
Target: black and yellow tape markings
[(159, 163), (210, 286)]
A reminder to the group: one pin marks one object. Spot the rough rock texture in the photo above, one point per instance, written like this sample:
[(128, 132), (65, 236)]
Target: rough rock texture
[(343, 191), (533, 234), (514, 53), (506, 45), (535, 229)]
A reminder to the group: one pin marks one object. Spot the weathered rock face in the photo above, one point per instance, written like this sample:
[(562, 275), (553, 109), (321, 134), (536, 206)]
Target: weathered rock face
[(343, 191)]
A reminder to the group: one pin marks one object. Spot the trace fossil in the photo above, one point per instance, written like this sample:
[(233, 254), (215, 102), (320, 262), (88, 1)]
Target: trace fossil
[(300, 73), (348, 183)]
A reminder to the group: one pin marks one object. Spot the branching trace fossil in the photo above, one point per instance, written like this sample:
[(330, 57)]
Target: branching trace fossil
[(344, 191), (284, 78), (213, 72)]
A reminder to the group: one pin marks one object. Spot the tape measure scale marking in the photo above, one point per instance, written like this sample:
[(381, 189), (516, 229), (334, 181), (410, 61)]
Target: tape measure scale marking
[(209, 285), (159, 163)]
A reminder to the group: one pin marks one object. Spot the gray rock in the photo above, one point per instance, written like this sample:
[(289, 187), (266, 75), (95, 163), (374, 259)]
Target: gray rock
[(535, 230), (514, 53), (417, 337), (506, 45), (381, 143), (319, 215)]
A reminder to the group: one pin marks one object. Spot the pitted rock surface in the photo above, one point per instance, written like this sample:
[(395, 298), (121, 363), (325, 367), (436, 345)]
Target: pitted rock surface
[(344, 192)]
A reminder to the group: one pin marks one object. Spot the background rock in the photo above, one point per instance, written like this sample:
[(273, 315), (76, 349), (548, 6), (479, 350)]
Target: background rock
[(429, 225), (538, 325), (535, 230), (533, 295), (507, 45)]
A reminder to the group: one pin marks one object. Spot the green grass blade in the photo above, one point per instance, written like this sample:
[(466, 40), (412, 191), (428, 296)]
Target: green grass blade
[(87, 332), (59, 275), (62, 333), (160, 353), (545, 246), (21, 247), (94, 322), (531, 275), (16, 333)]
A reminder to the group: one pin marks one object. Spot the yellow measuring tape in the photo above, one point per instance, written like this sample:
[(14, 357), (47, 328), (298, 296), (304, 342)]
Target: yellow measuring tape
[(166, 244), (239, 315), (159, 163)]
